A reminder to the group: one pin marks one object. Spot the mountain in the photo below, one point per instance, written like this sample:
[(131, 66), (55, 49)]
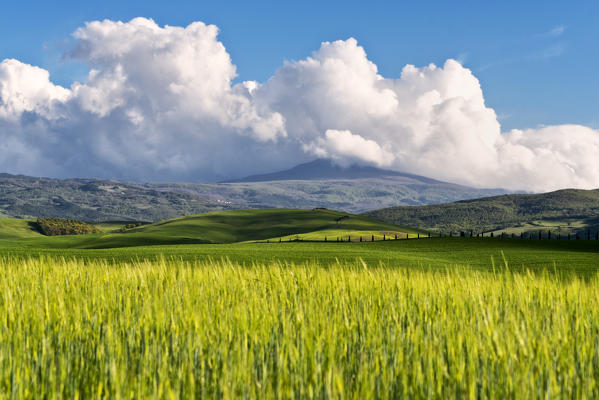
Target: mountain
[(351, 195), (322, 169), (321, 183), (566, 211), (311, 185)]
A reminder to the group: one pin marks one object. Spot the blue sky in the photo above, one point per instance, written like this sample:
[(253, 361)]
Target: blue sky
[(158, 97), (537, 61)]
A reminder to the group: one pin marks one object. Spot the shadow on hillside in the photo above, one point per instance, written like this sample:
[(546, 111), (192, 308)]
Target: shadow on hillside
[(35, 227)]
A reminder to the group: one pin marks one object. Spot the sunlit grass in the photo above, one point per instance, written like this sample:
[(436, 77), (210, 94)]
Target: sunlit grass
[(70, 329), (343, 235)]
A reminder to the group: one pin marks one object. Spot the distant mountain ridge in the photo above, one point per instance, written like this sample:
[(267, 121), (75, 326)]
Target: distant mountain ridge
[(316, 184), (323, 169), (321, 183)]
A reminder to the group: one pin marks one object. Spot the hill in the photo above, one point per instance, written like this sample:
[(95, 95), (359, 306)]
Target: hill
[(216, 227), (567, 210), (351, 195), (322, 184), (94, 200), (11, 228)]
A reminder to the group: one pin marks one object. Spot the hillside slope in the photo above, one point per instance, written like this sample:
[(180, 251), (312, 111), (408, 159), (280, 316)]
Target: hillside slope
[(568, 210), (244, 225), (94, 200), (11, 228), (221, 227), (351, 195)]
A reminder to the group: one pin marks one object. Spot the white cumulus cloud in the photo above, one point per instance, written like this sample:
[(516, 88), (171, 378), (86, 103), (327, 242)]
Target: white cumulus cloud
[(24, 88), (347, 149), (159, 102)]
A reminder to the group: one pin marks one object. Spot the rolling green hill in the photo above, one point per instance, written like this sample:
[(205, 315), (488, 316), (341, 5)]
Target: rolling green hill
[(217, 227), (11, 228), (245, 225), (14, 228), (563, 210), (227, 235)]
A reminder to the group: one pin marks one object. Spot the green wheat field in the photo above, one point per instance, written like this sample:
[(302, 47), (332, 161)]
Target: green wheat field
[(255, 305), (180, 329)]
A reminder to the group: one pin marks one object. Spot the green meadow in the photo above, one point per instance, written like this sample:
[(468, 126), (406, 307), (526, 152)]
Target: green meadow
[(580, 257), (264, 236), (217, 227), (254, 304)]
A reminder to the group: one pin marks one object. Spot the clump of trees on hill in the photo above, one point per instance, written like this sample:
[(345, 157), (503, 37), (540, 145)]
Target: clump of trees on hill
[(131, 226), (60, 226), (340, 219)]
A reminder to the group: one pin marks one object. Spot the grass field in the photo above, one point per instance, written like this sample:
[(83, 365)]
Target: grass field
[(17, 229), (159, 311), (112, 226), (561, 227), (217, 227), (581, 257), (180, 329), (186, 239)]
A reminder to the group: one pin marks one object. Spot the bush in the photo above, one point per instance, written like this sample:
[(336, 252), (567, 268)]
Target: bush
[(60, 226), (131, 226)]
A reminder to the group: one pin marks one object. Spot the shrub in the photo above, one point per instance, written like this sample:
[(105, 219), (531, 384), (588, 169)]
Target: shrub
[(60, 226)]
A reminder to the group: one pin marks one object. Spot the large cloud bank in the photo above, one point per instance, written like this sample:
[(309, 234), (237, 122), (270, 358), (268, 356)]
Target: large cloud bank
[(160, 103)]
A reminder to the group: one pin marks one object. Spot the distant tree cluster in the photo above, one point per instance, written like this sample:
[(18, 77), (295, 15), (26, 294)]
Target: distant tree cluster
[(131, 226), (343, 218), (60, 226)]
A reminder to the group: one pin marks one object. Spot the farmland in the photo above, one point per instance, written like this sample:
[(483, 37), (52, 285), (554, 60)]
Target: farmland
[(217, 329), (580, 257), (255, 304)]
